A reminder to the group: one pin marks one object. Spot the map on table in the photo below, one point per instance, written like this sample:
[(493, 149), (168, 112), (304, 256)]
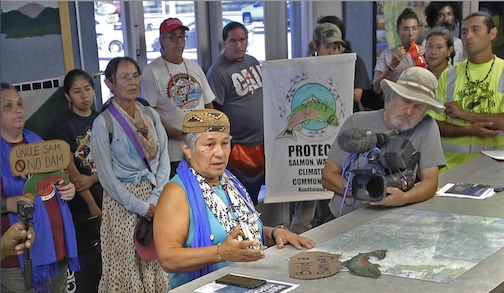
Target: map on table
[(425, 245)]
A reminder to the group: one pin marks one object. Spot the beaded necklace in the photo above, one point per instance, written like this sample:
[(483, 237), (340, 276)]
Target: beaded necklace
[(476, 82), (171, 76), (234, 210), (475, 89)]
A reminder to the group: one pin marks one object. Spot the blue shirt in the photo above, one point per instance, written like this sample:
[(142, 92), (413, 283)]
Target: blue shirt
[(218, 232), (119, 161)]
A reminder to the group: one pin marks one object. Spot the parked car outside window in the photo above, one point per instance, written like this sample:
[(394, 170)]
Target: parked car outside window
[(107, 37), (253, 13)]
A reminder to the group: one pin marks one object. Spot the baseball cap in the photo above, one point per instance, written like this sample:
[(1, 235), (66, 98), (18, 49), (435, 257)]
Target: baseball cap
[(144, 240), (328, 33), (170, 24), (416, 84)]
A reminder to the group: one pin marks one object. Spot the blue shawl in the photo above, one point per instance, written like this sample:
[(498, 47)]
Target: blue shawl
[(198, 206), (43, 254)]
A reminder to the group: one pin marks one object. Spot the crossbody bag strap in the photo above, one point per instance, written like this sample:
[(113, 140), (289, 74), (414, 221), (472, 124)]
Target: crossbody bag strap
[(113, 110)]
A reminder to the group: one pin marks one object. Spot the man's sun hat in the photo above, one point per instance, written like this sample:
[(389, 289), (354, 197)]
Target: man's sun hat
[(416, 84), (328, 33), (204, 120), (171, 24), (144, 240)]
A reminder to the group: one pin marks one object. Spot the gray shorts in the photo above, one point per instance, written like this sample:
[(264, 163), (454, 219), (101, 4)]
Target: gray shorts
[(13, 280)]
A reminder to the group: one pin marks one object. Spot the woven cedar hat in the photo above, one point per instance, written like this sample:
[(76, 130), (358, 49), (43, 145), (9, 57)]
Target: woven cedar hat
[(205, 120)]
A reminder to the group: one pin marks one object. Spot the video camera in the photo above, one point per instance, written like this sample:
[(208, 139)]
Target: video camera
[(25, 212), (394, 166)]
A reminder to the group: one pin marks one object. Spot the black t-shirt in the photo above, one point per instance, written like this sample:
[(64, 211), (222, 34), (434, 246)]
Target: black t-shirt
[(76, 131)]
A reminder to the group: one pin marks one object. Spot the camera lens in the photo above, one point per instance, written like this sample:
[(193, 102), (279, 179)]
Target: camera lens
[(375, 186)]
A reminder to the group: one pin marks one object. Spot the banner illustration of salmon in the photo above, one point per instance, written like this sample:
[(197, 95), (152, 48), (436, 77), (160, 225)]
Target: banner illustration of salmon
[(312, 108)]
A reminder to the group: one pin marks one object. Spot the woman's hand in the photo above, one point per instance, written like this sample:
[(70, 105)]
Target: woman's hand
[(66, 190), (150, 212), (83, 182), (238, 251), (284, 236)]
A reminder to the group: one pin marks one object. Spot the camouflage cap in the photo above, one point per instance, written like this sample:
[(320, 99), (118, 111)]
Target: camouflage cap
[(327, 33), (205, 120)]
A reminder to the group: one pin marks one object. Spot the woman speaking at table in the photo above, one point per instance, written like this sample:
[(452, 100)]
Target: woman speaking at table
[(205, 218)]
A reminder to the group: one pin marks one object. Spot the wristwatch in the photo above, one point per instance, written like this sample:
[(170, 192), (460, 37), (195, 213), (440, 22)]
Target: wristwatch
[(274, 230)]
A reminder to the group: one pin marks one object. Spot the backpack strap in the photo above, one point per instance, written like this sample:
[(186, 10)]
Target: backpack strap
[(108, 124), (148, 110)]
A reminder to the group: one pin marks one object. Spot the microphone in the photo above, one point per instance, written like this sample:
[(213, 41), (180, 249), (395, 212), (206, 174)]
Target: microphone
[(359, 140), (383, 138)]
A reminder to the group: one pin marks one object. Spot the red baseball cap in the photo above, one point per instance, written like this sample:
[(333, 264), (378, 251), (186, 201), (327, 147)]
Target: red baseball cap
[(144, 240), (170, 24)]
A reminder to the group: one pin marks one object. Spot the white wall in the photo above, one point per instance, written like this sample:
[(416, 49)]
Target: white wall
[(323, 8)]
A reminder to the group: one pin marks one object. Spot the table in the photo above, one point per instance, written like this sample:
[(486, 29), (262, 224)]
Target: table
[(488, 276)]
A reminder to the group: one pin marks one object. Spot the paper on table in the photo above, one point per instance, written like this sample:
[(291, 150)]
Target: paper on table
[(495, 154), (466, 190)]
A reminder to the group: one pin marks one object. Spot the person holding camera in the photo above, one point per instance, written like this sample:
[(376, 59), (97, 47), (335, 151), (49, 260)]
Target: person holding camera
[(205, 219), (16, 240), (406, 104), (56, 247)]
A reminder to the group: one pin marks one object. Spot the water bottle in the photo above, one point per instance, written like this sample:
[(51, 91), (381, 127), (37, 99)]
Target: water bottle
[(418, 59)]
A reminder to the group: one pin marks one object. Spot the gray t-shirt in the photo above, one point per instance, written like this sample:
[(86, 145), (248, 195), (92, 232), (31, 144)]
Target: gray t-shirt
[(424, 137), (238, 93)]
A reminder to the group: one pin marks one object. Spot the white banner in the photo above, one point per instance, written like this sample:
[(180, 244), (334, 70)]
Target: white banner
[(306, 101)]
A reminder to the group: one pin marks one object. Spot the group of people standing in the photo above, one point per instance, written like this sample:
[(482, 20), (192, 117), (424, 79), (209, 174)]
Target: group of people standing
[(469, 73), (454, 105), (126, 155), (195, 171)]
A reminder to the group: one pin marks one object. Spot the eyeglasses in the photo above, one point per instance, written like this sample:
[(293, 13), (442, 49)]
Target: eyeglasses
[(175, 39), (128, 79)]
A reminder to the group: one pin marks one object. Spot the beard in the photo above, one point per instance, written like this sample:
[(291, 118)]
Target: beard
[(448, 25), (405, 125)]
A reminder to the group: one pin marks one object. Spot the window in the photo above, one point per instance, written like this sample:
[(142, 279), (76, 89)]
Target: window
[(109, 37), (251, 14)]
